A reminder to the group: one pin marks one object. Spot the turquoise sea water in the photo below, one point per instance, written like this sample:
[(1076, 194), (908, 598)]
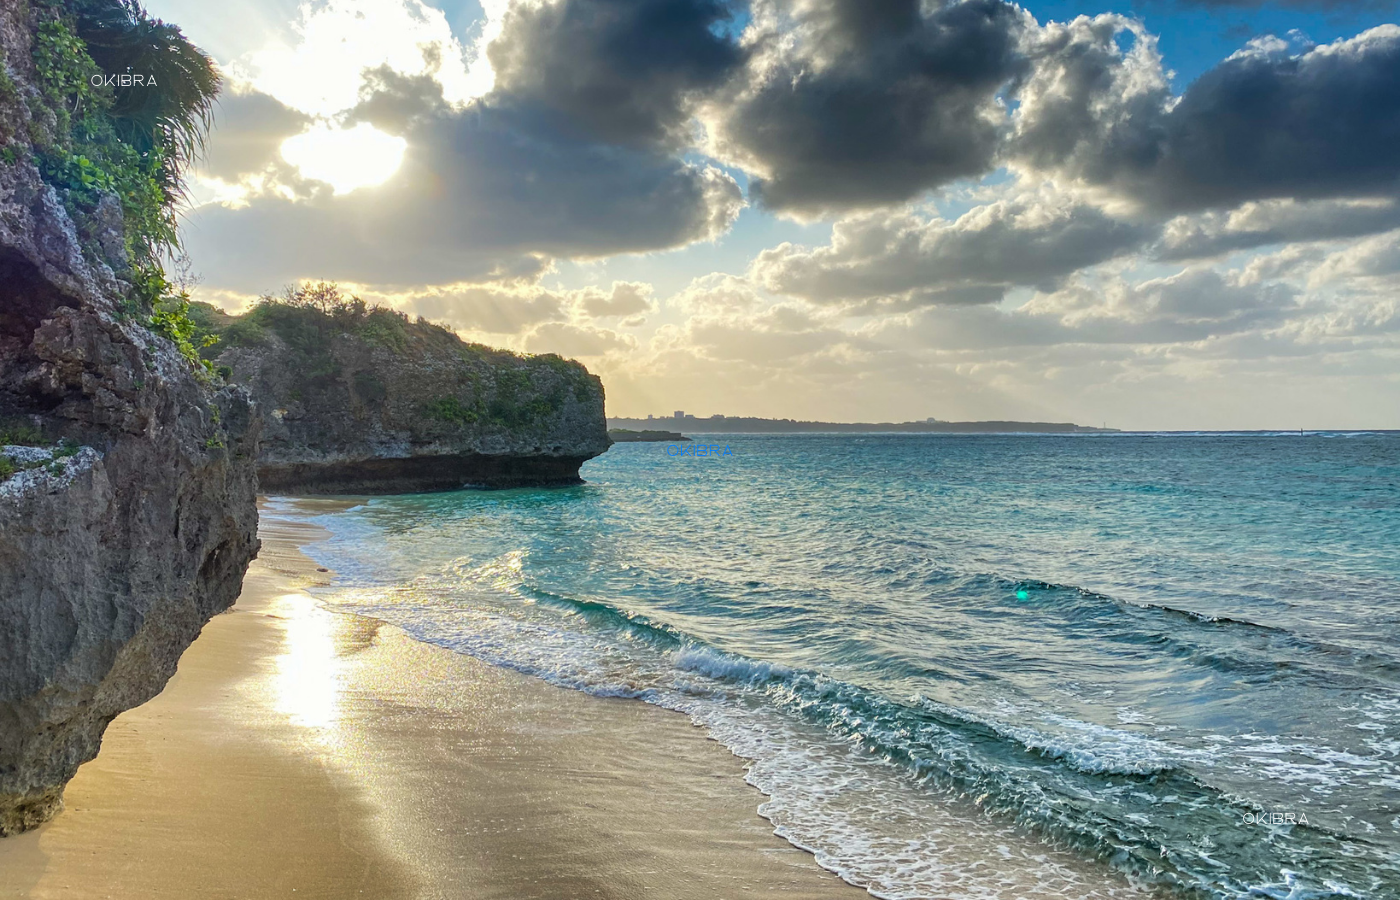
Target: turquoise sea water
[(958, 662)]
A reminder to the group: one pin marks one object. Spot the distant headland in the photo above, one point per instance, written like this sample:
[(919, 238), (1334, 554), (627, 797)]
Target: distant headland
[(720, 424), (628, 436)]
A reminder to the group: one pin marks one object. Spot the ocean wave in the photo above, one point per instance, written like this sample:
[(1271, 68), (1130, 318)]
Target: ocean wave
[(727, 667), (1088, 788), (1229, 644)]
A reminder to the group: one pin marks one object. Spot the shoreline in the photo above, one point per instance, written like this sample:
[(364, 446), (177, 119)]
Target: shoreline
[(303, 751)]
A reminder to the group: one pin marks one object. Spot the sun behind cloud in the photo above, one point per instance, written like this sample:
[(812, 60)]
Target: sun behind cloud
[(345, 158)]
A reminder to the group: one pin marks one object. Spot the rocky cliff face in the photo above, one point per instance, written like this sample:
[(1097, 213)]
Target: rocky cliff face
[(128, 516), (365, 401)]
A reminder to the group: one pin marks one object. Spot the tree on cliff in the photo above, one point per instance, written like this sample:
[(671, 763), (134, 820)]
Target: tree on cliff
[(171, 119)]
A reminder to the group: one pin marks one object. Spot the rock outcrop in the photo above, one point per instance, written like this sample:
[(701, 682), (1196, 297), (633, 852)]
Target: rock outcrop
[(129, 517), (361, 400)]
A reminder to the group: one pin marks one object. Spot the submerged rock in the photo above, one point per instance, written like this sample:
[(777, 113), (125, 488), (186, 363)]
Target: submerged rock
[(128, 517), (362, 400)]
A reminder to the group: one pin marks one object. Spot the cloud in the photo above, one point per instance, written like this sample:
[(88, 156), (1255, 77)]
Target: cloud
[(512, 309), (622, 71), (249, 128), (337, 40), (1088, 106), (484, 191), (716, 293), (577, 340), (1266, 123), (770, 337), (626, 298), (1376, 258), (854, 104), (578, 129), (1331, 5), (1202, 347), (487, 308), (1275, 222), (1192, 305), (848, 105), (912, 260)]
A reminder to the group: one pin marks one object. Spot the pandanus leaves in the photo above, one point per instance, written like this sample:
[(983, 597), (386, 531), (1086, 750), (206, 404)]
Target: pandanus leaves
[(172, 117)]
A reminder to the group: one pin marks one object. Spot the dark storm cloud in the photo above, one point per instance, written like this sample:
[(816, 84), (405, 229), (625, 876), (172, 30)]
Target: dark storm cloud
[(622, 71), (849, 104), (1266, 123), (854, 103)]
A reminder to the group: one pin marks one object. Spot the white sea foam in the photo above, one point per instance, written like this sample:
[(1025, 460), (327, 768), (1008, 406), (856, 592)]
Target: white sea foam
[(724, 667)]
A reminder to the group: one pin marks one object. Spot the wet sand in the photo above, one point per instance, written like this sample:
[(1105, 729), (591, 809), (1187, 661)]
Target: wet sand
[(304, 753)]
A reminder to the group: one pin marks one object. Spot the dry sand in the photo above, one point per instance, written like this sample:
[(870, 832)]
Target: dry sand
[(304, 753)]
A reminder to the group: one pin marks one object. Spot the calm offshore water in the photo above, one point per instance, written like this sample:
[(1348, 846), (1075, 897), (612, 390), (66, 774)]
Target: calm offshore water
[(962, 664)]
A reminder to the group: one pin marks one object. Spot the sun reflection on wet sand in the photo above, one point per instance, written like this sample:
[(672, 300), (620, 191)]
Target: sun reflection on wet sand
[(308, 673)]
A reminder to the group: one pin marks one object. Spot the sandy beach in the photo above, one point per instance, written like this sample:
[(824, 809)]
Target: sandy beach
[(305, 753)]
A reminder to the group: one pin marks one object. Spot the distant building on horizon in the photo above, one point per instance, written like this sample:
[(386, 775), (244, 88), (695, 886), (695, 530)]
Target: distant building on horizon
[(679, 414)]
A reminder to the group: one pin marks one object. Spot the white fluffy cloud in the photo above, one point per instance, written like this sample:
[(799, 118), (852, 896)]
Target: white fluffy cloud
[(320, 74), (577, 340)]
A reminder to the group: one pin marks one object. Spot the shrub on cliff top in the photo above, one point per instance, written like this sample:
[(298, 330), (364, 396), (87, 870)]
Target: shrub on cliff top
[(309, 318), (306, 316)]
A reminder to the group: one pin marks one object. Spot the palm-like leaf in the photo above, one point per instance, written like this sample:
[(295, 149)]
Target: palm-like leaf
[(172, 118)]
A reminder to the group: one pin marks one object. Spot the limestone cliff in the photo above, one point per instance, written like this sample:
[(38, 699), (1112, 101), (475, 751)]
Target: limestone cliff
[(362, 400), (127, 476)]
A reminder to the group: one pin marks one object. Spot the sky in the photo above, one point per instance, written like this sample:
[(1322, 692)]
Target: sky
[(1163, 214)]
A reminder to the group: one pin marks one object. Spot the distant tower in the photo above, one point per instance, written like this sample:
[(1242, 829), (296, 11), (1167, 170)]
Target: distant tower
[(680, 414)]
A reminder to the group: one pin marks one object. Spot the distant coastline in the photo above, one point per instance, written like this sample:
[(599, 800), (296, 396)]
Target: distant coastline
[(629, 436), (751, 425)]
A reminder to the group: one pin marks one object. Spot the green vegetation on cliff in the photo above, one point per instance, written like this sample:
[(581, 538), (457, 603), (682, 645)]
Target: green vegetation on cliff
[(305, 318), (131, 141), (319, 328), (97, 139)]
